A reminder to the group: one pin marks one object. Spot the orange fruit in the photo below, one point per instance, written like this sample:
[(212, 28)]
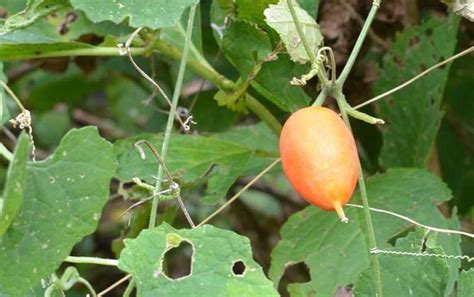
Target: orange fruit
[(319, 157)]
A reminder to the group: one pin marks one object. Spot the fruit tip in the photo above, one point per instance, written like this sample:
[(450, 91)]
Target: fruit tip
[(340, 212)]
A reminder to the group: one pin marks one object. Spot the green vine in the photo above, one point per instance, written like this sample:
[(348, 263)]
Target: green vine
[(335, 90)]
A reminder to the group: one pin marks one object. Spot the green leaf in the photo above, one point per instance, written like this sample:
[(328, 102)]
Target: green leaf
[(15, 184), (252, 10), (336, 253), (130, 111), (279, 18), (13, 6), (176, 36), (407, 275), (456, 135), (214, 253), (258, 138), (140, 13), (273, 82), (52, 88), (413, 114), (51, 126), (311, 7), (245, 46), (63, 198), (192, 160), (235, 101), (206, 113), (35, 9), (466, 283)]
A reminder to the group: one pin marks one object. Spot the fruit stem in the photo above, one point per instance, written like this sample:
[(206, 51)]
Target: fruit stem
[(340, 212), (343, 105)]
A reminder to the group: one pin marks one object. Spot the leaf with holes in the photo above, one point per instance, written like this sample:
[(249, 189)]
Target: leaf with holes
[(193, 160), (466, 283), (408, 275), (279, 18), (15, 183), (413, 114), (216, 255), (140, 13), (35, 9), (336, 253), (62, 202)]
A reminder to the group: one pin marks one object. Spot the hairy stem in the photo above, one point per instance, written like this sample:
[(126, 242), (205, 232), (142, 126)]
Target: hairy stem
[(169, 124)]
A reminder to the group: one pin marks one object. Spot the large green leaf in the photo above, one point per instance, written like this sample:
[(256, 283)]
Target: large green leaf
[(273, 82), (408, 275), (207, 112), (15, 184), (192, 159), (140, 13), (413, 114), (63, 199), (279, 18), (34, 10), (252, 10), (245, 46), (214, 253), (466, 284), (336, 253), (456, 136)]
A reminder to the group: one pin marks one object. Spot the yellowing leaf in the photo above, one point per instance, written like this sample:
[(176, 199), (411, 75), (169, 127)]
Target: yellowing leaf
[(279, 18)]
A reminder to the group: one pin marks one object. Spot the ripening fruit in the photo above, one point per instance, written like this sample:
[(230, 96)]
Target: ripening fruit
[(319, 157)]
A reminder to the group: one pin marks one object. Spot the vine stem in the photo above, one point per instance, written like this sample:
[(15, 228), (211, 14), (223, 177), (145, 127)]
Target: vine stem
[(169, 124), (342, 103), (222, 82), (360, 40), (15, 98), (299, 29), (91, 260), (429, 228), (87, 51)]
